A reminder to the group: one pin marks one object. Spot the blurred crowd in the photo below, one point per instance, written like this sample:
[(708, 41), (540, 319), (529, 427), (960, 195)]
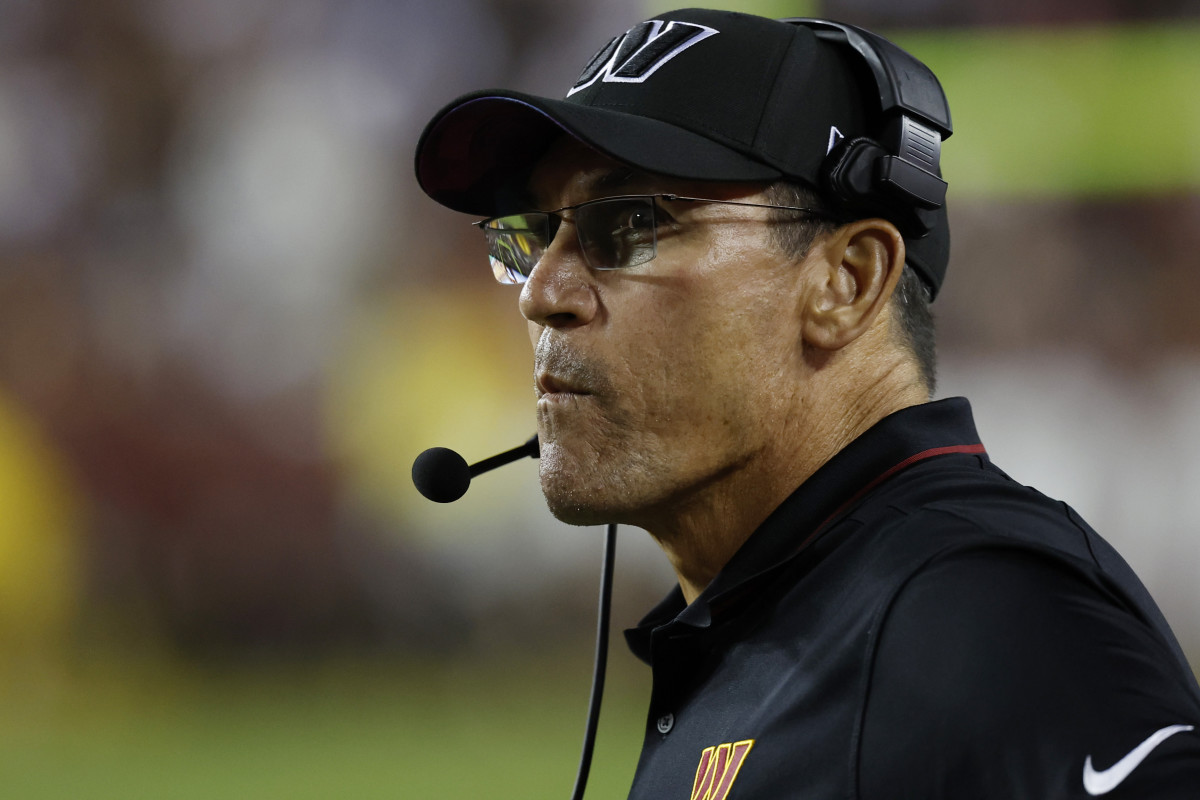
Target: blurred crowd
[(229, 321)]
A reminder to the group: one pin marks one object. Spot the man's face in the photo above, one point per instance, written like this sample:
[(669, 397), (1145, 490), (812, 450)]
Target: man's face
[(658, 383)]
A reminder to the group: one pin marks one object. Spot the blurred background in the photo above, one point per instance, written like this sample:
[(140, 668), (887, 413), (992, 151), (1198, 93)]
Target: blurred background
[(229, 320)]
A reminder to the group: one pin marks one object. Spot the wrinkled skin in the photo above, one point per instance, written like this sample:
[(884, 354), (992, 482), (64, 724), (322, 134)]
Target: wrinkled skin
[(690, 395), (672, 376)]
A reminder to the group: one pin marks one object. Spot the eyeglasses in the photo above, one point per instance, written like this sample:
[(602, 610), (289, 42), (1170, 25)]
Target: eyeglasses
[(613, 232)]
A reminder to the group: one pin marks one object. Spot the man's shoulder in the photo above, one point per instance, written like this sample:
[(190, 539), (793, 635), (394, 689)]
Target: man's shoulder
[(935, 518), (973, 490), (1013, 667), (962, 503), (958, 519)]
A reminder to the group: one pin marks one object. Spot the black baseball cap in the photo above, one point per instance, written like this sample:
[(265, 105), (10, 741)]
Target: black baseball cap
[(696, 94)]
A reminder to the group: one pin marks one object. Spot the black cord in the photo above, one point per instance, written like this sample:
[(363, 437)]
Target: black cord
[(602, 623)]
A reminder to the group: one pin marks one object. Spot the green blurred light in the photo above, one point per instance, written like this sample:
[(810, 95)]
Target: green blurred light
[(1069, 111), (775, 9), (1057, 111)]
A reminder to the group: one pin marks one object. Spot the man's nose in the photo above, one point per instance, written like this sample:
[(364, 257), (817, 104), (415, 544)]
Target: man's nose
[(560, 292)]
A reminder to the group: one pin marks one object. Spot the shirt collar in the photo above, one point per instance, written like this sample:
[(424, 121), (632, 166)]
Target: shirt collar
[(895, 442)]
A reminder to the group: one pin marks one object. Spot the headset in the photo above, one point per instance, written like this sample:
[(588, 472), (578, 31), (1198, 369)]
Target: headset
[(898, 173)]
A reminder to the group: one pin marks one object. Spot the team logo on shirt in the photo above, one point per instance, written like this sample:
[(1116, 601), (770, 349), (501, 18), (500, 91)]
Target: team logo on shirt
[(719, 766), (636, 54)]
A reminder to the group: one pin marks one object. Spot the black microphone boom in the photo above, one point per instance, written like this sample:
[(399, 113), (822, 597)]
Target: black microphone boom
[(442, 475)]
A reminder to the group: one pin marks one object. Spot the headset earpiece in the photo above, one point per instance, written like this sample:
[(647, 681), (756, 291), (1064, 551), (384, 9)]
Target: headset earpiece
[(896, 173), (860, 174), (849, 171)]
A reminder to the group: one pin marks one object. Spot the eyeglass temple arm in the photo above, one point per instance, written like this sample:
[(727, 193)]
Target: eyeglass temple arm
[(681, 198)]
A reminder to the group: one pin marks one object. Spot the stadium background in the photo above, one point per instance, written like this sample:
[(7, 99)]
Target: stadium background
[(229, 320)]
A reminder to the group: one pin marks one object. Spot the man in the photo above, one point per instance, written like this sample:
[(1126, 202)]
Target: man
[(726, 238)]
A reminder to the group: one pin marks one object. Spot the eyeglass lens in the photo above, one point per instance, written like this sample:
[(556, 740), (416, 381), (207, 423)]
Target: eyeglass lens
[(515, 244), (613, 233)]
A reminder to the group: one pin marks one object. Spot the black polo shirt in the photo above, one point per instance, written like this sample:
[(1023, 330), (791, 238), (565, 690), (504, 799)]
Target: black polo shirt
[(912, 623)]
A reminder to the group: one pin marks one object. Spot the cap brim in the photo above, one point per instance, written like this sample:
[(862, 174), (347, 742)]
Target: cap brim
[(476, 155)]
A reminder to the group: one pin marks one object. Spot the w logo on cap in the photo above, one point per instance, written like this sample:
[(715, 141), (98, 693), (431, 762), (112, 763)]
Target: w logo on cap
[(719, 766), (636, 54)]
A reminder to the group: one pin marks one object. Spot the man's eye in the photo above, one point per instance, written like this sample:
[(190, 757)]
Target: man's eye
[(639, 218), (633, 220)]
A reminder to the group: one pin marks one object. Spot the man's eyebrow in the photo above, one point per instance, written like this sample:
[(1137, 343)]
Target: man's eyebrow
[(611, 181)]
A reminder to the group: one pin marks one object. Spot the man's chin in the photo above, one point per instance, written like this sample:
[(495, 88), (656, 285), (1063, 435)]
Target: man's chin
[(583, 503), (582, 517), (579, 492), (576, 507)]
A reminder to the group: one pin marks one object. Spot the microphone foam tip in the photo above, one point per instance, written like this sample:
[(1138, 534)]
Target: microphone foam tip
[(441, 475)]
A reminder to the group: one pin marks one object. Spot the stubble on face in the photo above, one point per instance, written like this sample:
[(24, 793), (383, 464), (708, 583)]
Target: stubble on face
[(657, 397), (586, 434), (651, 419)]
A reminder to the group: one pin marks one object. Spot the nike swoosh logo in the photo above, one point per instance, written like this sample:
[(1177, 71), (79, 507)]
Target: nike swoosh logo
[(1102, 782)]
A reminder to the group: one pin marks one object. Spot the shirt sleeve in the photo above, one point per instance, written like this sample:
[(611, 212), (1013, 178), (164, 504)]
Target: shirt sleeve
[(1004, 674)]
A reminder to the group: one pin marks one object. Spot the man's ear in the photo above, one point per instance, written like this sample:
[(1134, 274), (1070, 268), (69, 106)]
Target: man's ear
[(855, 270)]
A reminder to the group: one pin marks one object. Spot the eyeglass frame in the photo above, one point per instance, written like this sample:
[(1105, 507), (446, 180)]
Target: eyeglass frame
[(667, 196)]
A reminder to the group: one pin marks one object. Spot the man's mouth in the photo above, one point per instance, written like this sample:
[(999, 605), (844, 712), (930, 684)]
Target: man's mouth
[(561, 375), (552, 386)]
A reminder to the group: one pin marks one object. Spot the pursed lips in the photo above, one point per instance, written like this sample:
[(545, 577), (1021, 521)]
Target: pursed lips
[(562, 376), (552, 387)]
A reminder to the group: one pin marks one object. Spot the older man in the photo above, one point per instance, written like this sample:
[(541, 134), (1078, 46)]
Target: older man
[(727, 236)]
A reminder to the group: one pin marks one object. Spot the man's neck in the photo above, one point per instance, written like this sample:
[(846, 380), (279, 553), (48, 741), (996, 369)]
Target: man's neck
[(701, 533)]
